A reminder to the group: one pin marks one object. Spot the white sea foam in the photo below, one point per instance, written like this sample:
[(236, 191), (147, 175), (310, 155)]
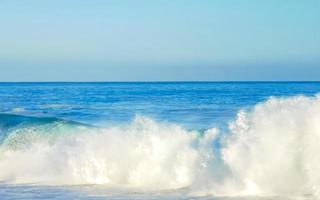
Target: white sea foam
[(270, 150), (274, 148), (17, 110), (145, 155)]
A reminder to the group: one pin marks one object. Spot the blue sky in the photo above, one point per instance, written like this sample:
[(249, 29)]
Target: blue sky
[(143, 40)]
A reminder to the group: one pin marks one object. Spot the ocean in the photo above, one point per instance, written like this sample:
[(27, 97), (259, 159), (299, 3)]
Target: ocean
[(160, 140)]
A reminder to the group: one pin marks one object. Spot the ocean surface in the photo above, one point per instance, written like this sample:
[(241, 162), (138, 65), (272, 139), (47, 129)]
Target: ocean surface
[(160, 140)]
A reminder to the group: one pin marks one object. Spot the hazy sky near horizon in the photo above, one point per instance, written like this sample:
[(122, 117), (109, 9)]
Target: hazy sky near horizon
[(143, 40)]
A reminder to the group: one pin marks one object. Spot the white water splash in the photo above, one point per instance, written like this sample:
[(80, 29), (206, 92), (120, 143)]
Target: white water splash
[(274, 148), (269, 150)]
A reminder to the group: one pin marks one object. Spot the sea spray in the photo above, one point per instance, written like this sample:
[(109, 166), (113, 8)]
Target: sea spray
[(271, 149), (144, 154)]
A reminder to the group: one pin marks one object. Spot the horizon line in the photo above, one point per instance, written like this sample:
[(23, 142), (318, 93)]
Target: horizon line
[(238, 81)]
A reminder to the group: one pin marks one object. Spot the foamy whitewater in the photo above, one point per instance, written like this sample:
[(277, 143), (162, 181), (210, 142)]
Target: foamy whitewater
[(267, 150)]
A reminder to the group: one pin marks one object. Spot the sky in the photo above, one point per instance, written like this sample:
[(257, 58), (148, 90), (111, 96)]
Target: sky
[(161, 40)]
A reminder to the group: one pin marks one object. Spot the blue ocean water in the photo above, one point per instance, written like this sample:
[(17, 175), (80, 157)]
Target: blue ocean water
[(93, 115), (192, 104)]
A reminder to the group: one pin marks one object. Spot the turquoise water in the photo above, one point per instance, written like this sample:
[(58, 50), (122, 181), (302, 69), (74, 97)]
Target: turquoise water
[(158, 140)]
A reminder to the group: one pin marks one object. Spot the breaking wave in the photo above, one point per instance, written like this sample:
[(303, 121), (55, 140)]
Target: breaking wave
[(271, 149)]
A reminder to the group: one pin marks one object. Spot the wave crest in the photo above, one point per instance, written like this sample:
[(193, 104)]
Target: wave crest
[(271, 149), (144, 154)]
